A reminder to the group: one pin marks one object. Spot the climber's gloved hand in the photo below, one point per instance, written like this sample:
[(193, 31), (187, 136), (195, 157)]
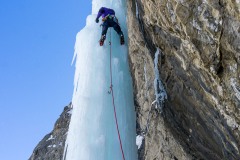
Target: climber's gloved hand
[(97, 20)]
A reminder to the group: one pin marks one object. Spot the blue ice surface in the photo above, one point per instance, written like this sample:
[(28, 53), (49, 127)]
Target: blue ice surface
[(92, 132)]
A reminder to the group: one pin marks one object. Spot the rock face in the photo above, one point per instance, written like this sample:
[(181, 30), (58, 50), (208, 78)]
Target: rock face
[(52, 145), (199, 63), (199, 67)]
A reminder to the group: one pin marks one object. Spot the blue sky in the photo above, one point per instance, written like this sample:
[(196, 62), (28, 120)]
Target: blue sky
[(36, 47)]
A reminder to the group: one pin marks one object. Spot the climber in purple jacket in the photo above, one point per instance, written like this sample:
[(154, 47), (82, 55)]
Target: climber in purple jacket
[(109, 20)]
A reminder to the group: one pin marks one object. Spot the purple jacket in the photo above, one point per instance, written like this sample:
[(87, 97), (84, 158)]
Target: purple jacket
[(104, 12)]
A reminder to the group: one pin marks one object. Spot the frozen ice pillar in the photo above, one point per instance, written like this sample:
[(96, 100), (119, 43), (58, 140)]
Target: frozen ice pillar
[(92, 132)]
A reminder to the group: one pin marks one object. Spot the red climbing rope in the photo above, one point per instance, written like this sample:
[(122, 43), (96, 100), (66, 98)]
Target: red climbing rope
[(111, 91)]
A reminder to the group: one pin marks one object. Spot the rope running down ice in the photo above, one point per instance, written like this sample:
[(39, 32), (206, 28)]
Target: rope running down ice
[(111, 92)]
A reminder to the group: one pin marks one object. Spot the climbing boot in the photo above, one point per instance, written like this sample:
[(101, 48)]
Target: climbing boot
[(122, 40), (101, 41)]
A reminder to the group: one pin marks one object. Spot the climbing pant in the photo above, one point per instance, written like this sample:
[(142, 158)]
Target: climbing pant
[(110, 23)]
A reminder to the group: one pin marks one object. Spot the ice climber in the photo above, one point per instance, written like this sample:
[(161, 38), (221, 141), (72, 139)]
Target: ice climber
[(109, 20)]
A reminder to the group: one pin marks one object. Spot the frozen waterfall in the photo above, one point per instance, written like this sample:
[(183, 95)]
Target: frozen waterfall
[(92, 132)]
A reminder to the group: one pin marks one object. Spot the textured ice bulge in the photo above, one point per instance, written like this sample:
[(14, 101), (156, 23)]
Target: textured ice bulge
[(92, 132)]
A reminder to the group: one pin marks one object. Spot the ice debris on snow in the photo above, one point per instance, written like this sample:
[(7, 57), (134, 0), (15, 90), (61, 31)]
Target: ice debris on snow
[(160, 92), (139, 140)]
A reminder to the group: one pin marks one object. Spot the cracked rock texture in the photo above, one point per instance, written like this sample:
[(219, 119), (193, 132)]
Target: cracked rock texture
[(52, 145), (199, 67)]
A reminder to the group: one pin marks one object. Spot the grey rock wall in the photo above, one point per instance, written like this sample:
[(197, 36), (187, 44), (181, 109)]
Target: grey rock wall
[(51, 147), (199, 67)]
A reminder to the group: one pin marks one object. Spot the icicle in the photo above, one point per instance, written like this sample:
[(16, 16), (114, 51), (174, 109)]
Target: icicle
[(137, 12), (160, 92)]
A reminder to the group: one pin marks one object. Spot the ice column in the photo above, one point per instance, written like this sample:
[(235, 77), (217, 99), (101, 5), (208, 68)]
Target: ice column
[(92, 132)]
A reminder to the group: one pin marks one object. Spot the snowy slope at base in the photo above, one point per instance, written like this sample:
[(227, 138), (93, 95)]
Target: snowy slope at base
[(92, 133)]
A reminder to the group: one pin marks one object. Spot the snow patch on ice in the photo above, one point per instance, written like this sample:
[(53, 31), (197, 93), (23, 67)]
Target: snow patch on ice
[(139, 140)]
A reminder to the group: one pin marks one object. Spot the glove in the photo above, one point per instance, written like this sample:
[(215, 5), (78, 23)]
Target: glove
[(97, 20)]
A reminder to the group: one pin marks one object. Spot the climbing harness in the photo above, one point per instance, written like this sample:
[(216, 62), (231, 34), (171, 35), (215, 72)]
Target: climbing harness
[(113, 102), (111, 17)]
